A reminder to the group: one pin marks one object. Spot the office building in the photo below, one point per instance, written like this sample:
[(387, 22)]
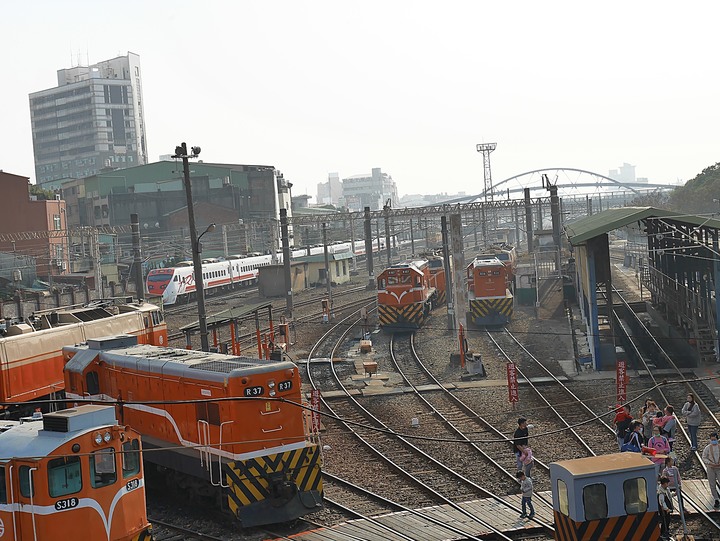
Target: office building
[(93, 119)]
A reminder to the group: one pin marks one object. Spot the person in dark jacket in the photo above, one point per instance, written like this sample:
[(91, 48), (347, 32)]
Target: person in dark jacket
[(622, 422), (520, 437)]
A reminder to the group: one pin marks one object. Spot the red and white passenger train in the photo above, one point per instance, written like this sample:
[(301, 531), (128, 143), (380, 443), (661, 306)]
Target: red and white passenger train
[(178, 283)]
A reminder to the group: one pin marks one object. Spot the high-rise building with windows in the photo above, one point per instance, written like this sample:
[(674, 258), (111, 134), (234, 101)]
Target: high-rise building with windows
[(93, 119)]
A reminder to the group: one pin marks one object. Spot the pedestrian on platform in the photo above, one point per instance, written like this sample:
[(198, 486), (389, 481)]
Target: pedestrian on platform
[(648, 415), (622, 422), (634, 440), (672, 472), (665, 506), (520, 437), (661, 445), (668, 424), (527, 459), (645, 405), (691, 411), (526, 486), (711, 458)]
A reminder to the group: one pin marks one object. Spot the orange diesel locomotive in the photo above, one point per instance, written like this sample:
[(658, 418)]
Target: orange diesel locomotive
[(407, 292), (489, 298), (31, 361), (74, 474), (248, 453)]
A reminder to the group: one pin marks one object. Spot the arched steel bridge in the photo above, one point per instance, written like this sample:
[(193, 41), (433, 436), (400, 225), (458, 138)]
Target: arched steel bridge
[(532, 180)]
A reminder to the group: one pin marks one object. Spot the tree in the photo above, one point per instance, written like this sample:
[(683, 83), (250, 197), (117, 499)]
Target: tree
[(41, 193)]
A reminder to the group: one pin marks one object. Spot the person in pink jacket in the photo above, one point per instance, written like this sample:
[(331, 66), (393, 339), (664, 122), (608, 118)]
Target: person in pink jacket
[(661, 445), (526, 458)]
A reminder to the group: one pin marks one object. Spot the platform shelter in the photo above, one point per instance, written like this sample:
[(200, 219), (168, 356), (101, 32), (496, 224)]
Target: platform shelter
[(680, 268)]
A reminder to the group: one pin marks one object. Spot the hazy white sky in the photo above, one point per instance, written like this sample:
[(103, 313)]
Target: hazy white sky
[(409, 86)]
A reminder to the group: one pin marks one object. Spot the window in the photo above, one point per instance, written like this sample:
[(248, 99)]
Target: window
[(64, 476), (636, 498), (337, 268), (27, 486), (131, 458), (3, 490), (595, 501), (92, 383), (102, 468), (56, 222), (562, 493), (209, 412)]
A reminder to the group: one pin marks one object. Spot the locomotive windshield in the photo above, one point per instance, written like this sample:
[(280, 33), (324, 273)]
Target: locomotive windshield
[(161, 277)]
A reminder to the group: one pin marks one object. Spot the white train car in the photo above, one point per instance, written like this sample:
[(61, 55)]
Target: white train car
[(178, 283)]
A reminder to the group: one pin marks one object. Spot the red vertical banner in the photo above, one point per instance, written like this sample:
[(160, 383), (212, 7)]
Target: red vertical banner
[(513, 391), (315, 405), (621, 378)]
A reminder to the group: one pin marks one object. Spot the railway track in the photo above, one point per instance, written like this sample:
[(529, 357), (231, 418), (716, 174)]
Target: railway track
[(315, 316), (404, 460), (462, 422), (168, 531), (589, 431), (465, 423)]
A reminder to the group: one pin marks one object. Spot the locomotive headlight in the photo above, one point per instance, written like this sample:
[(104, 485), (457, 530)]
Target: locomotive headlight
[(106, 437), (98, 438), (271, 384), (272, 392)]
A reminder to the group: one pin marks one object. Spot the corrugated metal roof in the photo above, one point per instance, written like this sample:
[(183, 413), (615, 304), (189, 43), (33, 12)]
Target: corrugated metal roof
[(580, 231)]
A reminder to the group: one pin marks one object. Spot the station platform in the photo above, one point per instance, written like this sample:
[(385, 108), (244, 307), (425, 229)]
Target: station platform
[(427, 523)]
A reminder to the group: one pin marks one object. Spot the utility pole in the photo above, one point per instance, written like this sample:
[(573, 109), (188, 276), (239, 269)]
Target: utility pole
[(182, 153), (327, 271), (95, 239), (555, 216), (137, 257), (369, 249), (352, 243), (386, 210), (286, 263), (448, 274)]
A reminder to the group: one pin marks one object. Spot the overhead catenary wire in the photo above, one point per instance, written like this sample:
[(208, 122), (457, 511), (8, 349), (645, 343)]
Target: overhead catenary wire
[(549, 433)]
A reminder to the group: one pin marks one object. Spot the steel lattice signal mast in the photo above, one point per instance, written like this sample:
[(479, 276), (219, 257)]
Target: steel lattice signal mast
[(486, 149)]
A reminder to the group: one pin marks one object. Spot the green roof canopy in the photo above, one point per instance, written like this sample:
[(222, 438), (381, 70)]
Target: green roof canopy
[(584, 229)]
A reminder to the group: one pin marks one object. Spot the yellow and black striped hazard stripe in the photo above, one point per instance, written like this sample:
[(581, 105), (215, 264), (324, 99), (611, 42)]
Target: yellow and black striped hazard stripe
[(640, 527), (501, 308), (251, 481), (410, 316), (145, 535)]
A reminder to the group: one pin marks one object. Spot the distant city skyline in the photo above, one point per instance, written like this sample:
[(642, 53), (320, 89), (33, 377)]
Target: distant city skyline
[(409, 87)]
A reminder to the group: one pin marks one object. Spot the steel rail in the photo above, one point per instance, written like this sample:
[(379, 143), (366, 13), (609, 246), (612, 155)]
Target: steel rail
[(452, 426), (380, 425), (580, 440)]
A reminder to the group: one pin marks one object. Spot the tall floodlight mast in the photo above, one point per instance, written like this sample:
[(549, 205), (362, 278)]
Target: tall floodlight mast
[(486, 149)]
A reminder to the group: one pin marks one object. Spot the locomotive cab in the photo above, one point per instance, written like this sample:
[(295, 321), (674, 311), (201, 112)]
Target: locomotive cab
[(606, 497), (80, 477)]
